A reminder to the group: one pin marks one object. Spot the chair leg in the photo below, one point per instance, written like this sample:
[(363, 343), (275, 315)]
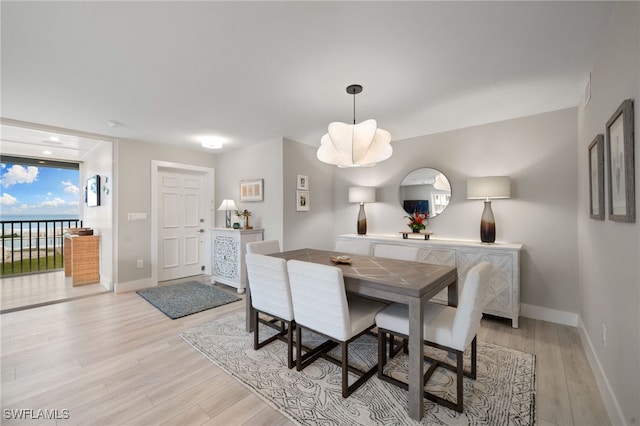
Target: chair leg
[(256, 339), (382, 353), (292, 324), (474, 358), (460, 377), (345, 369)]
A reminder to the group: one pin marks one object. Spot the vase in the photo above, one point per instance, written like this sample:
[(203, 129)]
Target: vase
[(362, 221), (487, 224)]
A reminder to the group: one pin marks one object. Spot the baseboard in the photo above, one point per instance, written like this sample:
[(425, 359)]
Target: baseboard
[(134, 285), (550, 315), (610, 402)]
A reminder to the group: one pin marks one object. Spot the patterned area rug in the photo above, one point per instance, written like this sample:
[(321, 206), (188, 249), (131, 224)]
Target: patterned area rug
[(180, 300), (503, 394)]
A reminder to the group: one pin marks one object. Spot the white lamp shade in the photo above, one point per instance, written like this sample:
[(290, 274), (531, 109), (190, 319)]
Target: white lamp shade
[(355, 145), (489, 187), (362, 194), (227, 205)]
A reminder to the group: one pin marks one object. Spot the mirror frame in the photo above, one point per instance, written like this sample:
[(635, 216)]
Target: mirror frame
[(430, 201)]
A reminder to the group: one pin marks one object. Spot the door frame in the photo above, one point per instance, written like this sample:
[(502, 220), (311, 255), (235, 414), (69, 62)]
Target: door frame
[(209, 177)]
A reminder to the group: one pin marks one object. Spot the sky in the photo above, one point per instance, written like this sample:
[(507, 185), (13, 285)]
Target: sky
[(31, 190)]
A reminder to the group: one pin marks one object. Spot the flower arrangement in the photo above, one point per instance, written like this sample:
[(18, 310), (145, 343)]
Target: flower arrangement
[(417, 221)]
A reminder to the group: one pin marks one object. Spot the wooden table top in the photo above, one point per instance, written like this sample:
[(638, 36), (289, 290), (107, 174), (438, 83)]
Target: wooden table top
[(414, 279)]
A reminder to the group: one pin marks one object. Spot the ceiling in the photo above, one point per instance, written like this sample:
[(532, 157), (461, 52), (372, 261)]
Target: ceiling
[(250, 72)]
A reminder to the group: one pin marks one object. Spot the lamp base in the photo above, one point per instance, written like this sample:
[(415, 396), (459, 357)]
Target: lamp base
[(487, 224), (362, 221)]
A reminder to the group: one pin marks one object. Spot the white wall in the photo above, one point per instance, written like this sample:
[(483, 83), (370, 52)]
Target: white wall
[(100, 218), (538, 153), (609, 252)]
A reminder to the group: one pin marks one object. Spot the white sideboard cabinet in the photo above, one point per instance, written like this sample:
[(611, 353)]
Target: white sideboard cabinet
[(228, 250), (504, 292)]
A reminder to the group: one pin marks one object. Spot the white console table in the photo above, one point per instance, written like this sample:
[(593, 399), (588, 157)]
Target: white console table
[(504, 291), (228, 250)]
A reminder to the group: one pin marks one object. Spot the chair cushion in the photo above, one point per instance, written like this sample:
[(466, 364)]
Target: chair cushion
[(437, 324), (362, 313)]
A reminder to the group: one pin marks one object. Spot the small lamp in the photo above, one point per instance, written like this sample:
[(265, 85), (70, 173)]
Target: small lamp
[(362, 194), (488, 188), (227, 206)]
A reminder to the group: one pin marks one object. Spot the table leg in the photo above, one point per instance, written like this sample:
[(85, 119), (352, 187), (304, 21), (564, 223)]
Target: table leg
[(416, 365), (452, 294)]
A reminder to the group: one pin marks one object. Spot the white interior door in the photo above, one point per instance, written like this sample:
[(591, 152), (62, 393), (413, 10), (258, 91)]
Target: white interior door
[(181, 223)]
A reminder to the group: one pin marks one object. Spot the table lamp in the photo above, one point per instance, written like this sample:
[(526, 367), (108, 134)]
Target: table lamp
[(362, 194), (227, 206), (488, 188)]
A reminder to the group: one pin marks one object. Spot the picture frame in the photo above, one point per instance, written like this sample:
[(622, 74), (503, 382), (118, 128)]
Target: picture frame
[(252, 190), (302, 182), (621, 169), (93, 191), (596, 178), (302, 201)]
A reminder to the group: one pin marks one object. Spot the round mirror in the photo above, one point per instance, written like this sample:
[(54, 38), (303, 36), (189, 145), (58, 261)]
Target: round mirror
[(425, 190)]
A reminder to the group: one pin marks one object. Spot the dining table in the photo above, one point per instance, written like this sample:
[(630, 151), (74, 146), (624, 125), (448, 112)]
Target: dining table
[(402, 281)]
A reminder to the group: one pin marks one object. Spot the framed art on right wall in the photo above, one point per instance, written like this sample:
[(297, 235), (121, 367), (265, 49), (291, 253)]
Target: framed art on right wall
[(596, 178), (621, 174)]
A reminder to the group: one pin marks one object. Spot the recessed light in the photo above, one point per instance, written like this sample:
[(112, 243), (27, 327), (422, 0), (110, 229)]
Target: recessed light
[(47, 152), (112, 123), (54, 139)]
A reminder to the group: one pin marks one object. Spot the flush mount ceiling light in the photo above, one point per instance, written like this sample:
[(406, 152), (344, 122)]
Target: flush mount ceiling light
[(211, 142), (355, 145)]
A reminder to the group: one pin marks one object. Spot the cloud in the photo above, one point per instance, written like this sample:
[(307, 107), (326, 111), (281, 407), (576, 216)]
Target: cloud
[(19, 174), (7, 200), (70, 187), (56, 202)]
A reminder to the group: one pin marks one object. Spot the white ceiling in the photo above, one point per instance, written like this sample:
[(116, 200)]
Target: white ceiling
[(252, 72)]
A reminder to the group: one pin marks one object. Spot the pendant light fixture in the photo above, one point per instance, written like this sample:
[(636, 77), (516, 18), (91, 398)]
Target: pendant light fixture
[(355, 145)]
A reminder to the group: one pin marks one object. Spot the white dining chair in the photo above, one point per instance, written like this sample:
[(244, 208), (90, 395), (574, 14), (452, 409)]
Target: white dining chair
[(445, 327), (392, 251), (320, 304), (263, 247), (362, 248), (271, 296)]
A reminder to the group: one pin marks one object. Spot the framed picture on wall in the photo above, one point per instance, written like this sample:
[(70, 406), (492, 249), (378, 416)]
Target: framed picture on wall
[(302, 182), (93, 191), (621, 173), (252, 190), (302, 201), (596, 178)]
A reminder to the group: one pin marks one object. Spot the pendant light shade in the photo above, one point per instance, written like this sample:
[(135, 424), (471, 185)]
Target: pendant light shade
[(355, 145)]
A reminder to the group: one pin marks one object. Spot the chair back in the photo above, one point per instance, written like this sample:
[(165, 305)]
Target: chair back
[(269, 285), (363, 248), (319, 298), (473, 300), (391, 251), (263, 247)]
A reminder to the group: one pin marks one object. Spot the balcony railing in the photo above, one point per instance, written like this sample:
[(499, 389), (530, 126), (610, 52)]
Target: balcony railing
[(34, 245)]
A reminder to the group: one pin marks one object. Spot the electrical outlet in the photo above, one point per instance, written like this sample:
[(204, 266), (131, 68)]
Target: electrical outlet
[(140, 263), (604, 335)]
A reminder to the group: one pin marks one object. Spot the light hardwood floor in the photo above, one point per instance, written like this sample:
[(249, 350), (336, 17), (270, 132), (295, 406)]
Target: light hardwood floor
[(30, 290), (114, 359)]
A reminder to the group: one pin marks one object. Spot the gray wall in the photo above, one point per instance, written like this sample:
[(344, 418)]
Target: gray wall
[(133, 194), (538, 153), (312, 228), (259, 161), (609, 252)]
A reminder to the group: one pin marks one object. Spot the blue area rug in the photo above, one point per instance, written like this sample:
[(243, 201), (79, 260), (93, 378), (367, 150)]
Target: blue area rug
[(180, 300)]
